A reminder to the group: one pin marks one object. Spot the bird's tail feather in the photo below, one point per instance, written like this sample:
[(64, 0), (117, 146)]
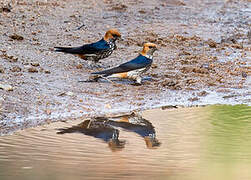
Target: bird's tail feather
[(67, 50), (91, 79), (109, 71)]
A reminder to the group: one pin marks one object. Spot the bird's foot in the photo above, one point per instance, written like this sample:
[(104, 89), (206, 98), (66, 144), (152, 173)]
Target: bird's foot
[(109, 80), (138, 81)]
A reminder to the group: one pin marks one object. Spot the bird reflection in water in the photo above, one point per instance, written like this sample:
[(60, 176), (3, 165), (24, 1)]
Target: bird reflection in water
[(107, 130), (137, 124), (97, 128)]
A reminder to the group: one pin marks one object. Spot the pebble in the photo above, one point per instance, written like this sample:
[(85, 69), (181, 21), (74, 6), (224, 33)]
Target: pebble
[(6, 87), (211, 43), (32, 70), (79, 66), (69, 93), (193, 99), (16, 69), (47, 71), (1, 70), (244, 74), (16, 37), (35, 64)]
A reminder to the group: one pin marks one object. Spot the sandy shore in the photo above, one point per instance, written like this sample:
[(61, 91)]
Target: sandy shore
[(204, 57)]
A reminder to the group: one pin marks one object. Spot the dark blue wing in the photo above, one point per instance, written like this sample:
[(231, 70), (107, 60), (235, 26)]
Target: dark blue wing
[(92, 48), (137, 63)]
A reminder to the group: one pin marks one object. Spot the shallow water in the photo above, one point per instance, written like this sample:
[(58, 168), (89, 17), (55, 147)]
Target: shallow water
[(186, 143)]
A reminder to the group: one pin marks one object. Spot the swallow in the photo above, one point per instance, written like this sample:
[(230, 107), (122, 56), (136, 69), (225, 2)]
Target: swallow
[(95, 51), (132, 69)]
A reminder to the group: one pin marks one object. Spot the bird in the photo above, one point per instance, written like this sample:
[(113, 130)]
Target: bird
[(97, 50), (132, 69)]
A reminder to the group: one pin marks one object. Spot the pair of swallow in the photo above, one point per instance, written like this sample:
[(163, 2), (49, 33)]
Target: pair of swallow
[(103, 48)]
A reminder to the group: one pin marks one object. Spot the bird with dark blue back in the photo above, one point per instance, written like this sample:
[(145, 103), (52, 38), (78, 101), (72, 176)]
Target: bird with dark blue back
[(132, 69), (97, 50)]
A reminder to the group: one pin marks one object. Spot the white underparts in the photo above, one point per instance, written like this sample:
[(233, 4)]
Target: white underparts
[(149, 56), (135, 75)]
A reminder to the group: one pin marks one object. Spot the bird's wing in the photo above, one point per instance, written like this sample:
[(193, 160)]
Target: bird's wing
[(137, 63), (92, 48)]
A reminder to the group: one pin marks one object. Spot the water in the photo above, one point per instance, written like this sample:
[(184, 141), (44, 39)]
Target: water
[(186, 143)]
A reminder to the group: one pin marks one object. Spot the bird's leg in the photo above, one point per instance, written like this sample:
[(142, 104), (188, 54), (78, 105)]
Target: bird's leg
[(89, 124), (138, 81), (106, 78)]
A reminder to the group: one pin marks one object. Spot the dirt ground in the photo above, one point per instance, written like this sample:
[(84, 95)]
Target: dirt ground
[(204, 57)]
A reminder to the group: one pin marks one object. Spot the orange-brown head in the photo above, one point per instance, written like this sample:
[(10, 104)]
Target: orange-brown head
[(112, 35), (148, 49)]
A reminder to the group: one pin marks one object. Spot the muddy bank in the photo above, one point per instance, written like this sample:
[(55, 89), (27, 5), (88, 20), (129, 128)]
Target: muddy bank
[(204, 57)]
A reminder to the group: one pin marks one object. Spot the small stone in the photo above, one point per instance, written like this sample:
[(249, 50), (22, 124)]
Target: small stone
[(47, 71), (237, 46), (79, 66), (211, 43), (154, 66), (229, 96), (6, 87), (169, 107), (119, 7), (244, 74), (16, 69), (7, 8), (185, 53), (1, 70), (16, 37), (35, 64), (142, 11), (193, 99), (32, 70), (10, 58), (202, 93), (69, 93), (169, 83)]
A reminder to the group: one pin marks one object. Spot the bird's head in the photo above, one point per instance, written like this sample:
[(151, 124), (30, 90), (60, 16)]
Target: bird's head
[(112, 35), (148, 49)]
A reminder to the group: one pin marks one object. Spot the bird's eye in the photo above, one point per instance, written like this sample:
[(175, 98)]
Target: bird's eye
[(150, 47)]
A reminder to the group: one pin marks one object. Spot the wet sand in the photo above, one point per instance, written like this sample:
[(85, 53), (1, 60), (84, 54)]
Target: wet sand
[(204, 57)]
